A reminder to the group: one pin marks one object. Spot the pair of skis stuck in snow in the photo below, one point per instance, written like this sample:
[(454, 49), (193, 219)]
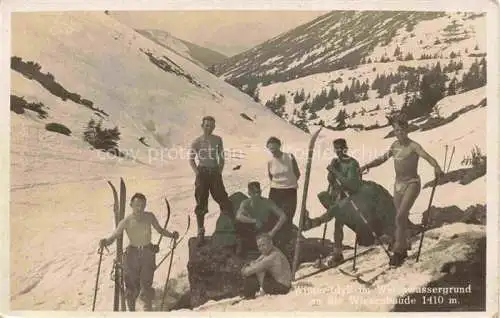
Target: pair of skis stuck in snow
[(119, 202)]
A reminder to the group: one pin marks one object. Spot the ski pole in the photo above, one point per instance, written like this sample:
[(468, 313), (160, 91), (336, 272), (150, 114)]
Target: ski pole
[(364, 220), (168, 274), (97, 277), (451, 158), (180, 240), (445, 156), (324, 233), (355, 253), (322, 244), (428, 217), (166, 222)]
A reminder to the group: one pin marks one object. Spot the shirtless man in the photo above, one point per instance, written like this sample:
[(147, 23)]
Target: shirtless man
[(406, 153), (139, 257), (210, 152), (270, 272), (259, 211)]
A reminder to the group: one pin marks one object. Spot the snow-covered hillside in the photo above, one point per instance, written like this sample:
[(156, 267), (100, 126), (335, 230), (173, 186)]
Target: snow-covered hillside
[(332, 64), (61, 204), (202, 56)]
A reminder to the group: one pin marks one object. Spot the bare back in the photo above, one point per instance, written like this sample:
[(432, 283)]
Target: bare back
[(279, 267), (207, 149), (138, 228), (405, 160)]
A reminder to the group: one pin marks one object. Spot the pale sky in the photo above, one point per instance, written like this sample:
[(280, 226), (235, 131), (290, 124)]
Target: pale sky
[(228, 32)]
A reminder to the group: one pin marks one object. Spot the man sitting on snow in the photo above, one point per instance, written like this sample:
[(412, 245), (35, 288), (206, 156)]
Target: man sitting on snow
[(270, 272)]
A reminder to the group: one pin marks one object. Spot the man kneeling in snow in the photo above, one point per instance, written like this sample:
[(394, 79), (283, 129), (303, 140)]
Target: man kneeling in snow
[(270, 272)]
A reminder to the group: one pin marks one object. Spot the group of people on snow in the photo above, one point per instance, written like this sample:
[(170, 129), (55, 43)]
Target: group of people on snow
[(271, 217)]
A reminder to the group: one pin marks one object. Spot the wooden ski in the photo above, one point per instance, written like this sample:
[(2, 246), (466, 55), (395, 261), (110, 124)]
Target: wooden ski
[(304, 200), (119, 244), (116, 211), (305, 274)]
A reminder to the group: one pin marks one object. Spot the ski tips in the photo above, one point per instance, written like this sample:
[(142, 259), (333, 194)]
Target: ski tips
[(168, 205)]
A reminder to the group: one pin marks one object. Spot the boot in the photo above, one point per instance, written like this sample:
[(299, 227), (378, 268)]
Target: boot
[(337, 257), (130, 303), (201, 236), (398, 258), (148, 305)]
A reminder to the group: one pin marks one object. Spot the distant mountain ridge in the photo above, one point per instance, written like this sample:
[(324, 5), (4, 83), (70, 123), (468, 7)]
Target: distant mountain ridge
[(336, 40), (349, 69), (200, 55)]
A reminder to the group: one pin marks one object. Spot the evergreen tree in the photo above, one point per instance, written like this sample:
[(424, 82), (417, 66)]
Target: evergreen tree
[(340, 119), (330, 104), (299, 97), (397, 51), (452, 87), (392, 104), (281, 100), (365, 96)]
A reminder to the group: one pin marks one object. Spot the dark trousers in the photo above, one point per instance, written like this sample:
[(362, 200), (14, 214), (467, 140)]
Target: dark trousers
[(209, 181), (285, 199), (270, 286)]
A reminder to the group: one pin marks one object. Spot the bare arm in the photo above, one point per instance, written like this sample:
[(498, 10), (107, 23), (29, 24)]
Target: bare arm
[(119, 230), (296, 170), (378, 161), (280, 214), (157, 227), (192, 156), (220, 153), (258, 266), (269, 171), (422, 153), (241, 214)]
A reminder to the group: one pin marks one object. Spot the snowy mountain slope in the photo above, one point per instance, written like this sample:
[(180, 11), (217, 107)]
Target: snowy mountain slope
[(61, 204), (386, 75), (202, 56), (338, 39), (162, 106)]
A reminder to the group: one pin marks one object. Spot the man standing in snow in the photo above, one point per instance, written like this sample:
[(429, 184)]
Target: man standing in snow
[(270, 272), (406, 153), (344, 170), (139, 257), (210, 152)]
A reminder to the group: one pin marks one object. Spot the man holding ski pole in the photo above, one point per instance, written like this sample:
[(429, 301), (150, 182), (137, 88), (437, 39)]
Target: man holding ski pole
[(406, 153), (139, 257), (344, 170)]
